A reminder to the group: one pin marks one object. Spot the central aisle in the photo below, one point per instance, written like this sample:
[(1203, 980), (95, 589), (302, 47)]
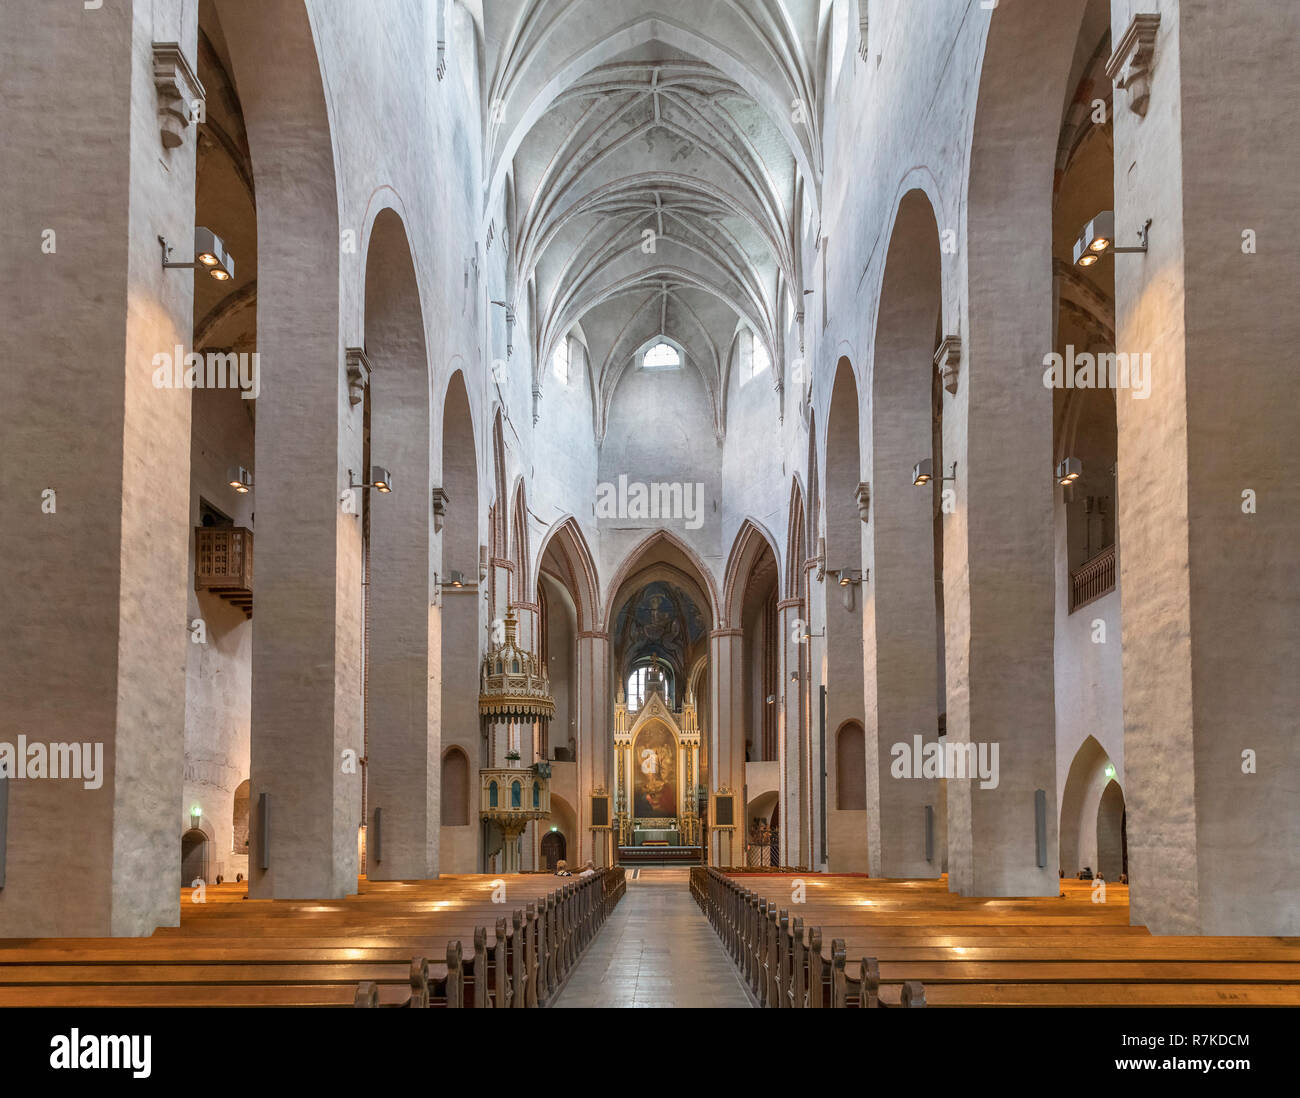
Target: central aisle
[(656, 950)]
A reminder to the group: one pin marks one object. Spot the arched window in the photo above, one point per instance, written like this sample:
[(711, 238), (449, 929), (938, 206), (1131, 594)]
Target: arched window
[(455, 788), (752, 358), (537, 795), (560, 362), (492, 795), (662, 356), (851, 768), (516, 795), (636, 687)]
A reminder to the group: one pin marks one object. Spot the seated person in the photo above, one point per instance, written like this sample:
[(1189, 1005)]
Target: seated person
[(587, 870), (562, 869), (1085, 874)]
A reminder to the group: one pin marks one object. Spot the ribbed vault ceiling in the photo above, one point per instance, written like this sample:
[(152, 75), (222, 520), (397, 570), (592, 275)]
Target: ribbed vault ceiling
[(651, 157)]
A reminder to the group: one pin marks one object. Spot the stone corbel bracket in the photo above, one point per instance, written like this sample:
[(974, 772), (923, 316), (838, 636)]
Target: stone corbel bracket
[(440, 501), (1133, 61), (863, 495), (358, 363), (947, 360), (181, 98)]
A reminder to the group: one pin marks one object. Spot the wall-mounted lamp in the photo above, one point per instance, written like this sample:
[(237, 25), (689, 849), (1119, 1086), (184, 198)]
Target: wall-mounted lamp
[(770, 699), (454, 579), (381, 480), (1110, 771), (196, 815), (1070, 470), (806, 635), (209, 255), (1098, 238), (240, 479), (923, 472), (849, 580)]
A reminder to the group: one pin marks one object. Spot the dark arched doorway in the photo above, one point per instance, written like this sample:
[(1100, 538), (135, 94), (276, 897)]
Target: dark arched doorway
[(554, 848), (194, 857)]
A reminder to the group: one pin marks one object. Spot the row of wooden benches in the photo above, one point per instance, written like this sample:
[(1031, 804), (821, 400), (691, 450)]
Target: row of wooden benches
[(869, 943), (461, 941)]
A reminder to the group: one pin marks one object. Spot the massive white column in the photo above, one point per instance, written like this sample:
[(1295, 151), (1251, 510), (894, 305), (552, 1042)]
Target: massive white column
[(999, 581), (727, 739), (790, 736), (1208, 497), (306, 705), (404, 656), (595, 743), (96, 529)]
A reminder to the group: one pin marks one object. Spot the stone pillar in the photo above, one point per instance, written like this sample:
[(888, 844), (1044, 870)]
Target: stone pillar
[(790, 740), (459, 723), (96, 528), (899, 648), (403, 657), (306, 697), (593, 706), (998, 569), (727, 737), (1209, 504)]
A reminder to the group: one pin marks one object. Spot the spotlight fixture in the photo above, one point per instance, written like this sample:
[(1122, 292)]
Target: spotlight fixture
[(453, 579), (1110, 771), (806, 635), (209, 255), (381, 480), (923, 472), (1098, 238), (240, 479), (1070, 470)]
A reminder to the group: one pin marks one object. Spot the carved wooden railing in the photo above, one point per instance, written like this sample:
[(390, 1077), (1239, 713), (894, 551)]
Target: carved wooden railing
[(1090, 581), (783, 964), (223, 564)]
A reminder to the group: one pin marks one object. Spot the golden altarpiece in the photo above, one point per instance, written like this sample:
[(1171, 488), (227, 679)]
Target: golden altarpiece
[(656, 772)]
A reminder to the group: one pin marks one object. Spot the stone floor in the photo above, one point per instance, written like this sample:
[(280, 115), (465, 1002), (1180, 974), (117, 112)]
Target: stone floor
[(656, 950)]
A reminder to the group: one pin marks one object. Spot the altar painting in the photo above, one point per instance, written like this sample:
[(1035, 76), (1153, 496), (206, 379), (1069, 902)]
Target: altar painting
[(654, 774)]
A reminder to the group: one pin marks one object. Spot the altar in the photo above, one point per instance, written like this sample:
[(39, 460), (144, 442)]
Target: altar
[(646, 836)]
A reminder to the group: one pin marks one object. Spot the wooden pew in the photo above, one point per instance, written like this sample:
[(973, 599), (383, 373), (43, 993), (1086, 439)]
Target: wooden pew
[(860, 942), (365, 950)]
